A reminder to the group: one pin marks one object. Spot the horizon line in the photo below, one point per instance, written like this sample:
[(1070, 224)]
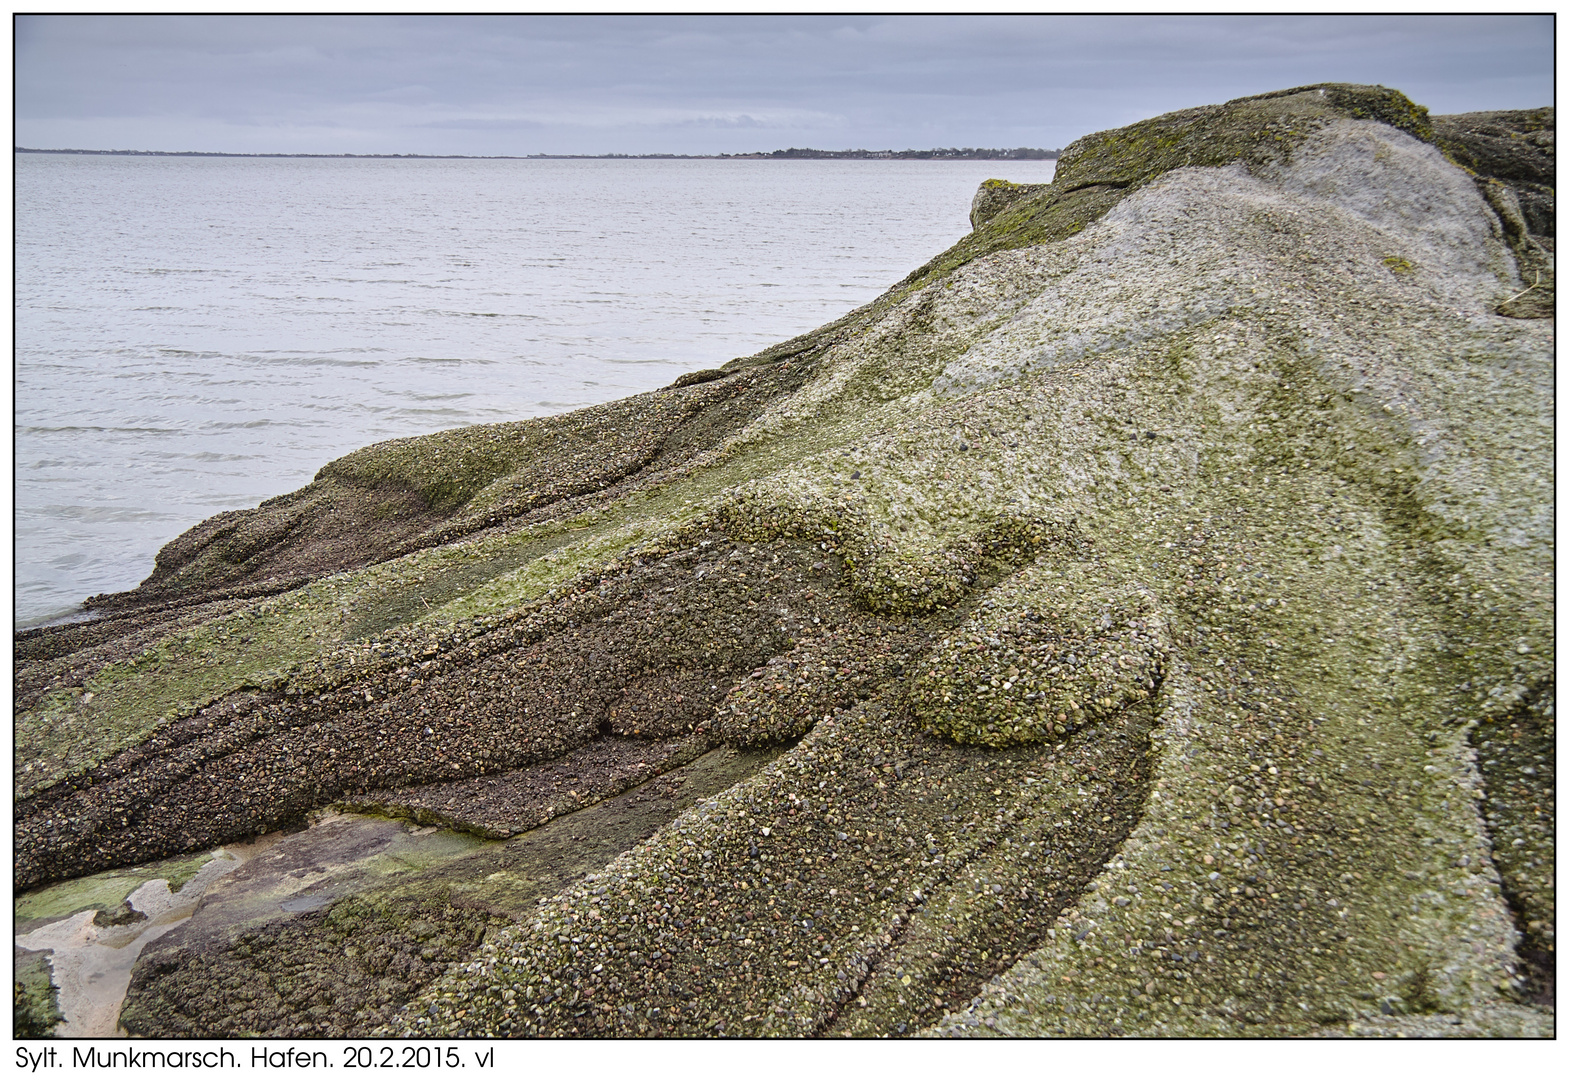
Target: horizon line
[(1023, 153)]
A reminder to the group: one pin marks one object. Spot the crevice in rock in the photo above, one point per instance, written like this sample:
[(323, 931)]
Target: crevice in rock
[(1097, 185), (498, 806), (1516, 757), (973, 949), (339, 970)]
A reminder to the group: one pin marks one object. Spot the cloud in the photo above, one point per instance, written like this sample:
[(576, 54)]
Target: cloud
[(696, 84)]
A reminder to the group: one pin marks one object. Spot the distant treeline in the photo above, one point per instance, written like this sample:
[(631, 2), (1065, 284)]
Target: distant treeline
[(1023, 153)]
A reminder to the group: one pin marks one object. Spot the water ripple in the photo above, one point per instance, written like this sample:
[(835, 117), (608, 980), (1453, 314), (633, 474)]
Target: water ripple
[(200, 334)]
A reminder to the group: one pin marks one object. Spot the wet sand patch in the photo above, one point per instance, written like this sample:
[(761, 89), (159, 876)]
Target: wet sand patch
[(91, 952)]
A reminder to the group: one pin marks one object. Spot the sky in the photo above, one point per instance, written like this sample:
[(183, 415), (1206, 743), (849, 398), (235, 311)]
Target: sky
[(636, 84)]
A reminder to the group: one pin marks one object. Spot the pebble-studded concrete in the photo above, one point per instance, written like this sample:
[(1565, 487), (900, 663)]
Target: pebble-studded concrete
[(874, 875), (649, 652)]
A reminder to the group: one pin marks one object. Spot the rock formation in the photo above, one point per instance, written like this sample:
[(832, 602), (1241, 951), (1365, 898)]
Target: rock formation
[(1138, 621)]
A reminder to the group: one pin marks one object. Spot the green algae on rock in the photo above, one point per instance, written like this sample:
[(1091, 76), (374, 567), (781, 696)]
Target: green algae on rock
[(36, 1002), (994, 196), (105, 892), (1049, 651), (1157, 583)]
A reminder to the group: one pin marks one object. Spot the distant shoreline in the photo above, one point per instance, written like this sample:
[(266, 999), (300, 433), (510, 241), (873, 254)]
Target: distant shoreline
[(1023, 153)]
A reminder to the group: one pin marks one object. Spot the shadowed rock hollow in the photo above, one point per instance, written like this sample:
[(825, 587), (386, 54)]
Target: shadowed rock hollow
[(1137, 621)]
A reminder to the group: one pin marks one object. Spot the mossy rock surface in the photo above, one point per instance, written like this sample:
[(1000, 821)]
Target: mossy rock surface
[(1049, 652), (994, 196), (1097, 171), (1230, 436), (36, 1005), (107, 892)]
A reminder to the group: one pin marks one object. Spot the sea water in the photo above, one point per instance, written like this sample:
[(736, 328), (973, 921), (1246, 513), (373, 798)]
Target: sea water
[(196, 335)]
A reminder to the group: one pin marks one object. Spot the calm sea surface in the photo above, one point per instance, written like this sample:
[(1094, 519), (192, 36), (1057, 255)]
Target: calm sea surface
[(196, 335)]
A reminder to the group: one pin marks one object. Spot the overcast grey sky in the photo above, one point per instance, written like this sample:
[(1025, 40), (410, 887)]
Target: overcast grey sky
[(707, 84)]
